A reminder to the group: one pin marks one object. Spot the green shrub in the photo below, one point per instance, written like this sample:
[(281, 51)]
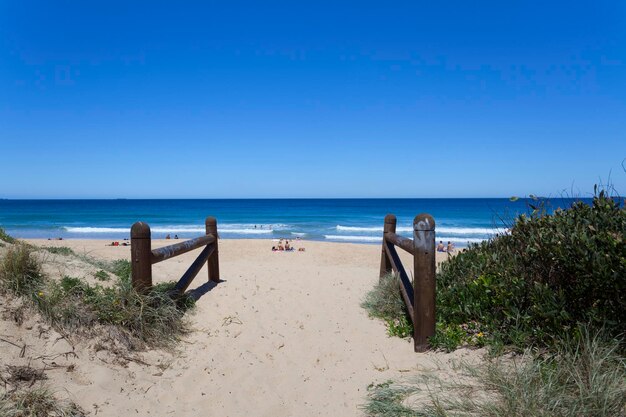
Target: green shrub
[(20, 271), (539, 282)]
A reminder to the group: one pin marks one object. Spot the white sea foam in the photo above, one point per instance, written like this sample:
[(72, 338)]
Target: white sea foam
[(298, 233), (277, 226), (354, 238), (370, 229), (97, 229), (225, 228), (446, 239), (469, 230), (443, 229), (244, 231)]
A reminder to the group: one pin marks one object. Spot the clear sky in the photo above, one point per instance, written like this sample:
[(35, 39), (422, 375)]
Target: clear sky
[(310, 99)]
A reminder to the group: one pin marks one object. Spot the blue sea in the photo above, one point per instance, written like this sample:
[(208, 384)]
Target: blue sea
[(461, 221)]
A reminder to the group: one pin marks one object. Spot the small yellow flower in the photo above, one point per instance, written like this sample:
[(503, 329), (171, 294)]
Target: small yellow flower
[(480, 334), (40, 293)]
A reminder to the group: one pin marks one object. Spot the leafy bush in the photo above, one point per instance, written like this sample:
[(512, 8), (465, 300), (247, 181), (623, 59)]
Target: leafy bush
[(538, 282)]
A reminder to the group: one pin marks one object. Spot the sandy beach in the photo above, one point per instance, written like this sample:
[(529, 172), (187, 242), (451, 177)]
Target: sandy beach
[(282, 335)]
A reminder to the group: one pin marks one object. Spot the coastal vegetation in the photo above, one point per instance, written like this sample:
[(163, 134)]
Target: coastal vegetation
[(583, 376), (532, 286), (36, 402), (152, 319), (552, 289)]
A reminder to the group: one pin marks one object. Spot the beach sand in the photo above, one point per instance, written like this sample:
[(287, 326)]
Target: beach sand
[(282, 335)]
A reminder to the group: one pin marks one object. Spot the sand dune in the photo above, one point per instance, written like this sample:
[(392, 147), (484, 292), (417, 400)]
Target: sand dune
[(282, 335)]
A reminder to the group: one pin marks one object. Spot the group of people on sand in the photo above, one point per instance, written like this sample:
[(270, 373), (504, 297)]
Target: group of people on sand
[(443, 248), (116, 243), (286, 247), (169, 237)]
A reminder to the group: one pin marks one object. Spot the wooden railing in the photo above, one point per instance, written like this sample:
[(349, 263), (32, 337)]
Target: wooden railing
[(143, 256), (419, 297)]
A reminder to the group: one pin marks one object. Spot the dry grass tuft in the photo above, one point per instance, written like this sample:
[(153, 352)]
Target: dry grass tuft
[(36, 402)]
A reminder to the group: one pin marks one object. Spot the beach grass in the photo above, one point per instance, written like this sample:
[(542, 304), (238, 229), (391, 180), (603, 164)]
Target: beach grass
[(59, 250), (385, 302), (36, 402), (5, 237), (20, 271), (585, 376), (153, 318)]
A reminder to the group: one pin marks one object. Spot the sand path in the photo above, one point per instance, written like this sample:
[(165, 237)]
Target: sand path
[(282, 335)]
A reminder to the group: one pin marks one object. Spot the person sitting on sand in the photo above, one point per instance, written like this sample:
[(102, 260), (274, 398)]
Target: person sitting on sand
[(287, 247), (281, 247), (175, 236), (167, 236), (440, 247), (450, 247), (274, 249)]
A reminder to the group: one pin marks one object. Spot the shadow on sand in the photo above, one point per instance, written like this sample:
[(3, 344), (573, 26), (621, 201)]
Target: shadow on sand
[(198, 292)]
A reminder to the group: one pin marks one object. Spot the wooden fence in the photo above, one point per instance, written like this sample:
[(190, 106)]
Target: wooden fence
[(420, 296), (143, 256)]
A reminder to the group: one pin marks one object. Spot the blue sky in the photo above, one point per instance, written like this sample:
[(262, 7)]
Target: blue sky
[(310, 99)]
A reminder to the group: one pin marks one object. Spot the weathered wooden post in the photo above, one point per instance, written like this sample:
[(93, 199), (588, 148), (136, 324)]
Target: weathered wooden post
[(140, 253), (213, 263), (385, 262), (424, 280)]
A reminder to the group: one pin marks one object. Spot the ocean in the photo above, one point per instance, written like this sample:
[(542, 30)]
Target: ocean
[(461, 221)]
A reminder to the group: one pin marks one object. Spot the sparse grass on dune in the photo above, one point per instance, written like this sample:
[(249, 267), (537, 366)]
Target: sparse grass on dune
[(583, 377), (385, 302), (36, 402), (20, 271), (59, 250), (5, 237), (72, 305)]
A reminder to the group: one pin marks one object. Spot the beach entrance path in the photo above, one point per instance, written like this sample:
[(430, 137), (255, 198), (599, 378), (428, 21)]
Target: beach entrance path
[(282, 335)]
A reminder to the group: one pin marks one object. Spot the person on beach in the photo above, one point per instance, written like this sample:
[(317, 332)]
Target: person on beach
[(440, 247), (287, 247), (175, 236), (167, 236), (450, 247)]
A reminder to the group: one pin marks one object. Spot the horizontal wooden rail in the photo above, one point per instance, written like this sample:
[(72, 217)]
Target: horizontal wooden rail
[(143, 257), (400, 241), (176, 249), (419, 297)]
